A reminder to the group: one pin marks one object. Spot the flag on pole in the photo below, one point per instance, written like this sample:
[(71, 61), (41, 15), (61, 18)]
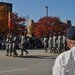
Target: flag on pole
[(9, 20)]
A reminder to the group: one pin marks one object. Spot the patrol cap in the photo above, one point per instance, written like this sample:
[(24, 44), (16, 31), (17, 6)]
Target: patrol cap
[(70, 33)]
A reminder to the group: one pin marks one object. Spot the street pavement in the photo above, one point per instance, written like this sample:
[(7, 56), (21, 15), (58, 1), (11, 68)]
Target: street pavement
[(37, 62)]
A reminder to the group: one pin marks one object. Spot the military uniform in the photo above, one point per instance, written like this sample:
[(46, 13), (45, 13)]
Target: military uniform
[(14, 45), (23, 44), (45, 41), (50, 43), (54, 43), (59, 44), (64, 42), (8, 44)]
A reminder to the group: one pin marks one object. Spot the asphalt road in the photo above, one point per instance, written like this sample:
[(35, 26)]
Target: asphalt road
[(35, 63)]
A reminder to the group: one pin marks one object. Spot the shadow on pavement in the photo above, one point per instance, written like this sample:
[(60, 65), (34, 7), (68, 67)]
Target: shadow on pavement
[(38, 56)]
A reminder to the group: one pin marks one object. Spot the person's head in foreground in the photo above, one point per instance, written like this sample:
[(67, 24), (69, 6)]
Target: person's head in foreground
[(65, 62)]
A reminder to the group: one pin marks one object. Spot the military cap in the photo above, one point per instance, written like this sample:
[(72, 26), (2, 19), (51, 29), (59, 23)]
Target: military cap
[(70, 33)]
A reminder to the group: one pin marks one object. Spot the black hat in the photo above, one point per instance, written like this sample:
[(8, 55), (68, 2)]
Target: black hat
[(70, 33)]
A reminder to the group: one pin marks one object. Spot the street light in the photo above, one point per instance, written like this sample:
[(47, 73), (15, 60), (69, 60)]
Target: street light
[(46, 11)]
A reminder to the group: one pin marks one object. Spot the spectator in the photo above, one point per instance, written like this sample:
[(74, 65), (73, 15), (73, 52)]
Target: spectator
[(65, 62)]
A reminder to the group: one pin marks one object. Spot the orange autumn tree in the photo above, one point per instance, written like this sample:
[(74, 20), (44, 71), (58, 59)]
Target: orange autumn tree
[(46, 25), (49, 25), (18, 23), (3, 18)]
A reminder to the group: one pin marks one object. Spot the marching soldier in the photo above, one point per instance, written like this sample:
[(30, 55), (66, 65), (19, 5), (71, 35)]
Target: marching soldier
[(23, 43), (54, 42), (64, 42), (50, 43), (14, 44), (45, 41), (59, 43), (8, 44)]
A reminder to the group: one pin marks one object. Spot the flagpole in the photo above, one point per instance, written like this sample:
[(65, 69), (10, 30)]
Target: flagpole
[(9, 20), (9, 30)]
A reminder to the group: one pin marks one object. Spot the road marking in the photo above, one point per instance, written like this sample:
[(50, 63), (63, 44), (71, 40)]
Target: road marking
[(13, 70)]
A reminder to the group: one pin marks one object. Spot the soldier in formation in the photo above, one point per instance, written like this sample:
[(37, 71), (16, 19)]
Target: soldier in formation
[(54, 42), (45, 42), (23, 43), (57, 43), (14, 44), (50, 45), (9, 45)]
